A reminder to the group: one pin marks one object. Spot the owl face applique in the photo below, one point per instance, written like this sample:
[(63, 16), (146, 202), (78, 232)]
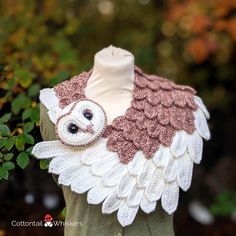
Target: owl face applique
[(143, 157), (81, 123)]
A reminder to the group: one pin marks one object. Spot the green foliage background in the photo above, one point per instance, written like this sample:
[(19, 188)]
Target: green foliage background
[(45, 42)]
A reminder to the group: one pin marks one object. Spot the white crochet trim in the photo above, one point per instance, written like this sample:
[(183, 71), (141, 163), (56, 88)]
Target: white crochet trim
[(49, 99), (126, 187)]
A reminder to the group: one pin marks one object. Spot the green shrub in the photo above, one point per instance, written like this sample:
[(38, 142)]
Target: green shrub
[(224, 204), (30, 58)]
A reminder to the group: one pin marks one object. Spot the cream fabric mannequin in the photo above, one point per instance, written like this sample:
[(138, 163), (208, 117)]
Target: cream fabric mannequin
[(111, 82), (110, 85)]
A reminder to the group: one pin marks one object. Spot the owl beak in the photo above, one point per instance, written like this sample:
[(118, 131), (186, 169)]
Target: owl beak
[(85, 128), (90, 129)]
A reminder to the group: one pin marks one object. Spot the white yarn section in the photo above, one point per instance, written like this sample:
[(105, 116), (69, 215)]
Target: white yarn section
[(76, 116), (50, 149), (201, 115), (49, 99), (201, 105), (127, 187)]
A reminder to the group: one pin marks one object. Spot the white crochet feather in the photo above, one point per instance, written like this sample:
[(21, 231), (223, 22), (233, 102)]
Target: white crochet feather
[(49, 99), (126, 187)]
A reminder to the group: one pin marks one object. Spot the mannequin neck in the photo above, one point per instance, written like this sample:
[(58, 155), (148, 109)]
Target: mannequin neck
[(112, 80), (113, 72)]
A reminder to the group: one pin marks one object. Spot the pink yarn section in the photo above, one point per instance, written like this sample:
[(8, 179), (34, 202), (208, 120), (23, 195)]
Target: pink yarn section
[(72, 90), (159, 109)]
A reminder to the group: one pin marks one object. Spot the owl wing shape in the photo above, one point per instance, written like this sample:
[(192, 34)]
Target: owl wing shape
[(126, 187)]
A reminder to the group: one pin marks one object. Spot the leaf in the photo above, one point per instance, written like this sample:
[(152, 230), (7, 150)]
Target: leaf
[(33, 90), (225, 204), (3, 142), (10, 84), (8, 156), (26, 113), (59, 77), (35, 114), (25, 77), (44, 164), (21, 101), (63, 74), (63, 212), (28, 127), (29, 150), (5, 118), (28, 138), (4, 130), (10, 143), (4, 173), (20, 143), (8, 165), (22, 160)]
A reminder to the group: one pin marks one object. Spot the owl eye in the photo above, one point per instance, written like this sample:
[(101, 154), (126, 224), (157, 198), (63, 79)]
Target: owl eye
[(72, 128), (88, 114)]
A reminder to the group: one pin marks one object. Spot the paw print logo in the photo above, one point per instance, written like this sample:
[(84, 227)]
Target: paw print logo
[(48, 221)]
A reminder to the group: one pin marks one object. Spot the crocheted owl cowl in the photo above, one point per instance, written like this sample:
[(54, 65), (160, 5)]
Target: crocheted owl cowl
[(142, 157)]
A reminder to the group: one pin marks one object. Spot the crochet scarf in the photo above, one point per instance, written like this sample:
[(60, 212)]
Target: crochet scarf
[(142, 157)]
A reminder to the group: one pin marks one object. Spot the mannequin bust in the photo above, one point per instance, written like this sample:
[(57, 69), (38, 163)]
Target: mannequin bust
[(111, 82), (110, 85)]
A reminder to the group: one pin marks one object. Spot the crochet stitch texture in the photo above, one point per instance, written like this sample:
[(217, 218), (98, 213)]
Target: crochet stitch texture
[(158, 109), (144, 156)]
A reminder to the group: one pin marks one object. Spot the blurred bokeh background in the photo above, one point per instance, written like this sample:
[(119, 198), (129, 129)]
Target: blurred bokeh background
[(43, 42)]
